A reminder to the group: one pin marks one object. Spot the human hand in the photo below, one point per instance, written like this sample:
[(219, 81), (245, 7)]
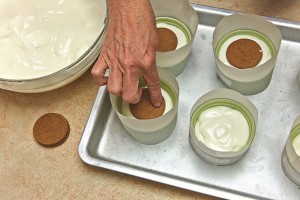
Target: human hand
[(128, 51)]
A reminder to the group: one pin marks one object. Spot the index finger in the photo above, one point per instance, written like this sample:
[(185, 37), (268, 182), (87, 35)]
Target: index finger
[(153, 83)]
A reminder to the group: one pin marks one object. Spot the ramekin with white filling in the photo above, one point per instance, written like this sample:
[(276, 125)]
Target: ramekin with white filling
[(222, 126)]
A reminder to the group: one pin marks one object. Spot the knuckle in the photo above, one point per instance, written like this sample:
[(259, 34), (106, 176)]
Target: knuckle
[(130, 98), (99, 81), (154, 84), (149, 62), (114, 90), (131, 71), (128, 62), (95, 72), (156, 95)]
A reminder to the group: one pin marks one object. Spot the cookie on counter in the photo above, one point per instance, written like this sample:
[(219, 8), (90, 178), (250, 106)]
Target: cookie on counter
[(51, 129)]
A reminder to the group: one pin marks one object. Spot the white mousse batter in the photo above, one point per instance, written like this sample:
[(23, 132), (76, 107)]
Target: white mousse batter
[(40, 37), (222, 128), (181, 37), (168, 105), (296, 144), (266, 53)]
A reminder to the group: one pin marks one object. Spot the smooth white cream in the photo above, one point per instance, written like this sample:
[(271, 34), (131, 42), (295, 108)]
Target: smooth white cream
[(38, 38), (181, 37), (168, 103), (264, 48), (296, 144), (222, 128)]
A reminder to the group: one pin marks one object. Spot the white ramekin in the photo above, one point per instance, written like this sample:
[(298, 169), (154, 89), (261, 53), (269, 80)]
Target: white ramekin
[(290, 160), (152, 131), (252, 80), (222, 97), (175, 61)]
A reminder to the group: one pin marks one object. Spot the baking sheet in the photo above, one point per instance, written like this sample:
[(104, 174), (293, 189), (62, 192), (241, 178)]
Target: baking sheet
[(258, 174)]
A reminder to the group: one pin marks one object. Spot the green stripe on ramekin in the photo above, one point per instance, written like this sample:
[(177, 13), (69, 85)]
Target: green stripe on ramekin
[(253, 33), (176, 23), (232, 104), (295, 132), (163, 85)]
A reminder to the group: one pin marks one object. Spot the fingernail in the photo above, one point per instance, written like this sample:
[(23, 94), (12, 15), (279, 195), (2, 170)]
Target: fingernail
[(157, 104)]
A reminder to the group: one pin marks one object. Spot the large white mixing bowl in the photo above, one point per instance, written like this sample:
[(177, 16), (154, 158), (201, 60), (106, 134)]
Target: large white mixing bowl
[(63, 76)]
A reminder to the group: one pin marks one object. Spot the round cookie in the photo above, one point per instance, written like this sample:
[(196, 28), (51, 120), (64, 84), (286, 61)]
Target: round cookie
[(51, 129), (144, 108), (244, 53), (167, 40)]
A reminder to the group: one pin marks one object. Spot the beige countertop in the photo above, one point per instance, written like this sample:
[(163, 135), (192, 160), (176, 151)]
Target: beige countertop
[(30, 171)]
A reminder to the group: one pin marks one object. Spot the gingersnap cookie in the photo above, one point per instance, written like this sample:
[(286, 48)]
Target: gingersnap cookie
[(167, 40), (244, 53), (144, 109), (51, 129)]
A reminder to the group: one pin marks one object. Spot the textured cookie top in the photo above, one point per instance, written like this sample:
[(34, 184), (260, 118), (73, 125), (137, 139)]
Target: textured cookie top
[(244, 53), (51, 129), (167, 40), (144, 109)]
